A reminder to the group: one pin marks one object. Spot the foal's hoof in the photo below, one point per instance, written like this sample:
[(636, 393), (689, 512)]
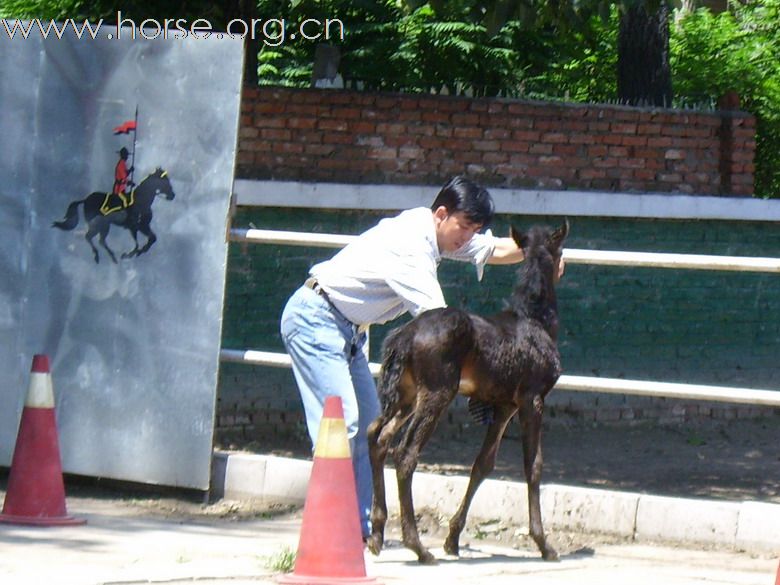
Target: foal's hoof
[(426, 558), (550, 554), (451, 547), (374, 543)]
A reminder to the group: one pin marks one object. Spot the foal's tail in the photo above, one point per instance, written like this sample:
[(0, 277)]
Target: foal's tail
[(394, 358), (71, 219)]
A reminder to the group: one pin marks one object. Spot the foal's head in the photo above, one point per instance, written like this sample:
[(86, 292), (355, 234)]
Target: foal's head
[(534, 295), (543, 248)]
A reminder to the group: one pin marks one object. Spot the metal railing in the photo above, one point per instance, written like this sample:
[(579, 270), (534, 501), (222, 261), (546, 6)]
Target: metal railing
[(574, 256), (565, 382)]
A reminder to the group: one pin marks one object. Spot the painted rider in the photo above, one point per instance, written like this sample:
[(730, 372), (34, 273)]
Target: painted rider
[(118, 198)]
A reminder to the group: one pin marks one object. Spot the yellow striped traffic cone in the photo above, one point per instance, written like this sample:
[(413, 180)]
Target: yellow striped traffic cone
[(330, 548)]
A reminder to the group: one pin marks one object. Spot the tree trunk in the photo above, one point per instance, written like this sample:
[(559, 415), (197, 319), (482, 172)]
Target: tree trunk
[(644, 76), (244, 10), (251, 46)]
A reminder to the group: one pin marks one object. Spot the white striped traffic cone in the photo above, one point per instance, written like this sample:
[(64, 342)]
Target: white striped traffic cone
[(36, 491), (330, 548)]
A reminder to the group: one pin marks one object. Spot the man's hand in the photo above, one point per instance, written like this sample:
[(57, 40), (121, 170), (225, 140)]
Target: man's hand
[(561, 269)]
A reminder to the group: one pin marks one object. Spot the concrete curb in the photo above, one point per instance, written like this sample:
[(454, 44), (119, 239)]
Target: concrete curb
[(745, 526)]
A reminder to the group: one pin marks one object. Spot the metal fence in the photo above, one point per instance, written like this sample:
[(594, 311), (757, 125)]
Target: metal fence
[(565, 382)]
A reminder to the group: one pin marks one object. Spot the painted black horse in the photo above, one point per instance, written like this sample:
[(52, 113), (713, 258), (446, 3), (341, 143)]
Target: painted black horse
[(137, 217), (505, 364)]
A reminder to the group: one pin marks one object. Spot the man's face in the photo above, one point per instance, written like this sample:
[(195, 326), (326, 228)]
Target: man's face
[(453, 230)]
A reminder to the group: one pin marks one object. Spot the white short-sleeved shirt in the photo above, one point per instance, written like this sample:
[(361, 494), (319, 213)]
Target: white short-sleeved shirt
[(391, 268)]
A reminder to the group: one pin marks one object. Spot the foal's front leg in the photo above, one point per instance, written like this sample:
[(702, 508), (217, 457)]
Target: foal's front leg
[(532, 455)]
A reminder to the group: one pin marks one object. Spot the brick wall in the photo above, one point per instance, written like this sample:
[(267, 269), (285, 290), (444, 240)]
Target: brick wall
[(355, 137)]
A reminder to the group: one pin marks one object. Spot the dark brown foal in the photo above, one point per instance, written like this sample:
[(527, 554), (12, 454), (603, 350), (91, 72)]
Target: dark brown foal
[(506, 364)]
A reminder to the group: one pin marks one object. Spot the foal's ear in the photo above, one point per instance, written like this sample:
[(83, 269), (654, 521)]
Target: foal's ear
[(559, 235), (520, 238)]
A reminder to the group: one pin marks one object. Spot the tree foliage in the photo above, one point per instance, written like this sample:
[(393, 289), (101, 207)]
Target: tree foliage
[(737, 50)]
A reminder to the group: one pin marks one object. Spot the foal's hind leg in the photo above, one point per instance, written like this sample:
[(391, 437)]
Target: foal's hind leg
[(532, 455), (430, 406), (380, 435), (483, 466)]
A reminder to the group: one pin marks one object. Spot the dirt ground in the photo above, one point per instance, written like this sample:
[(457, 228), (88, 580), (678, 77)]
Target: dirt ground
[(730, 459), (122, 500), (186, 507)]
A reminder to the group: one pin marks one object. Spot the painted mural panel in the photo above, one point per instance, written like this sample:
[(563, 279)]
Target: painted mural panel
[(116, 167)]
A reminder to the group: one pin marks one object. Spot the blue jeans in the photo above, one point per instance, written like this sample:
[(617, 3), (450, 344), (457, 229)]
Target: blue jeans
[(328, 360)]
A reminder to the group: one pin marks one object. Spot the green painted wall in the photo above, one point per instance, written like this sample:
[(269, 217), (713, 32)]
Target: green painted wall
[(685, 326)]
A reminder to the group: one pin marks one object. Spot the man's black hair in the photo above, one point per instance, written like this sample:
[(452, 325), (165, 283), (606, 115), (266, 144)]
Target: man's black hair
[(462, 194)]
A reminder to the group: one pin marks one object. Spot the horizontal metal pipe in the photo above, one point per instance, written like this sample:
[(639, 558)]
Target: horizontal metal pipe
[(573, 256), (575, 383), (670, 390), (290, 238), (684, 261)]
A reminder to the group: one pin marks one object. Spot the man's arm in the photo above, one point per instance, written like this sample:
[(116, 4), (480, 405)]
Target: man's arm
[(506, 252)]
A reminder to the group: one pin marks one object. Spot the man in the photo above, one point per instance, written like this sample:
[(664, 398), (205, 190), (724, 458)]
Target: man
[(118, 198), (388, 270)]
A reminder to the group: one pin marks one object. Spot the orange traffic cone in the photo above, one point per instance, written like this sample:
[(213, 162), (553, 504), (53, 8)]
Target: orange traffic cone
[(36, 491), (777, 579), (330, 548)]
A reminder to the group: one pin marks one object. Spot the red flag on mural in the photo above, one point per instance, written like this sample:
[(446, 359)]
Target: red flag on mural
[(125, 128)]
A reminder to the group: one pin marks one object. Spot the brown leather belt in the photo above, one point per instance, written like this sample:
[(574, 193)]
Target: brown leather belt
[(312, 283)]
